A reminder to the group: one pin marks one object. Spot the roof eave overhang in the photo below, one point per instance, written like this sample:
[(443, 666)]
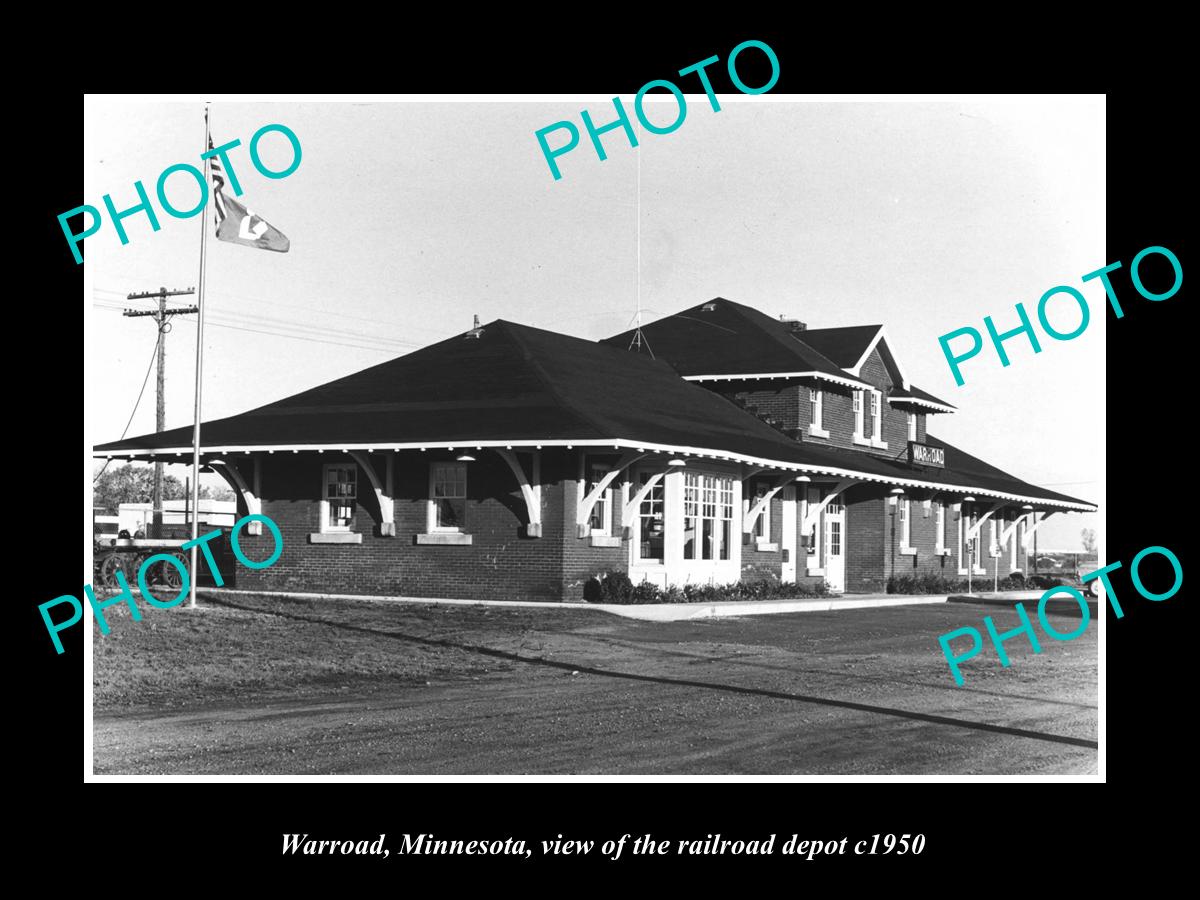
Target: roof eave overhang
[(925, 404), (163, 454), (758, 376)]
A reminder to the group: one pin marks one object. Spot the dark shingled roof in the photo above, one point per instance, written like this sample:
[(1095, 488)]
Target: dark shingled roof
[(514, 383), (729, 339), (845, 346), (522, 385)]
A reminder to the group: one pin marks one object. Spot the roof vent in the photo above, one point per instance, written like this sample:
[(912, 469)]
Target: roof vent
[(793, 325), (476, 332), (709, 307)]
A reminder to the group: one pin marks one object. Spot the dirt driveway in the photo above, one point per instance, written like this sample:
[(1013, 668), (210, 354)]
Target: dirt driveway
[(257, 685)]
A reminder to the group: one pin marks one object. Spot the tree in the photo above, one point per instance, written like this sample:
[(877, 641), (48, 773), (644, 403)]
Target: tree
[(135, 484), (218, 493), (123, 484), (1088, 537)]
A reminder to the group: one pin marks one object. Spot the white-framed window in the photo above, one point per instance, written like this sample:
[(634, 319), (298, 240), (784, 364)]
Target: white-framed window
[(940, 529), (707, 516), (762, 525), (447, 496), (995, 545), (1016, 533), (814, 566), (877, 420), (816, 412), (859, 435), (904, 511), (912, 426), (600, 522), (339, 496), (650, 540), (965, 556)]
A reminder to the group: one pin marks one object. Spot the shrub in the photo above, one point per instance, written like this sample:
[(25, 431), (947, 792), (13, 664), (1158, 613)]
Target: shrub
[(646, 592), (1042, 582), (593, 589), (616, 588), (925, 583)]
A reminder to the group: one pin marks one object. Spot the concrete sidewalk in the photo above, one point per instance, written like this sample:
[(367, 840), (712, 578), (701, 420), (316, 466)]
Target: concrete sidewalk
[(651, 612)]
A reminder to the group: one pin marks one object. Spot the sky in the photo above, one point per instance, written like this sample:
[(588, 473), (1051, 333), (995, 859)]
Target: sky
[(406, 219)]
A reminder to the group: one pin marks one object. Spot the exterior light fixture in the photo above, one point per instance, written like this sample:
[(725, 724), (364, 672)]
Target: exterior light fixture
[(968, 499), (1027, 506), (803, 478), (897, 490), (465, 457), (676, 462)]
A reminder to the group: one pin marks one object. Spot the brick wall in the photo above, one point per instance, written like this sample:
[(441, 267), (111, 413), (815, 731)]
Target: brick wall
[(765, 565), (867, 530), (580, 560), (501, 563)]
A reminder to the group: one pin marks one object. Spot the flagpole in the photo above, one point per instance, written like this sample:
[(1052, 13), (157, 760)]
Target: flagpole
[(199, 375)]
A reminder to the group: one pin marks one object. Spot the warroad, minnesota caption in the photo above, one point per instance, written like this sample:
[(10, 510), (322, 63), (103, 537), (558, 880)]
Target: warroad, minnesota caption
[(421, 844)]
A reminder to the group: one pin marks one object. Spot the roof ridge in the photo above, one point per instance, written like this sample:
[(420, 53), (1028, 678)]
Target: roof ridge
[(740, 309)]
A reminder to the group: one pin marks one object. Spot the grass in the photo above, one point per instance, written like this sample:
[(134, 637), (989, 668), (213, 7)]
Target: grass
[(180, 657)]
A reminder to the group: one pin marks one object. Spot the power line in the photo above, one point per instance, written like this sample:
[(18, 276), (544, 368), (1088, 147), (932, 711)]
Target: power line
[(145, 381), (293, 306), (398, 345), (297, 337)]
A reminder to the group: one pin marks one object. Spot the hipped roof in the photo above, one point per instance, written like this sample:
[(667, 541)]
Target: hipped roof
[(731, 340), (521, 386)]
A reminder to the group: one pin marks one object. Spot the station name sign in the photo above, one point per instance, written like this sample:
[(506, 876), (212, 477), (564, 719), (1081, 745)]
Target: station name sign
[(924, 455)]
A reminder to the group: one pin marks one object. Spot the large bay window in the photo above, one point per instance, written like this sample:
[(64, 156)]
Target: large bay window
[(707, 516)]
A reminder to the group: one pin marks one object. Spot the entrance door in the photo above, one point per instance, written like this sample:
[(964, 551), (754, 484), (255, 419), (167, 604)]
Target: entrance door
[(835, 545), (789, 535)]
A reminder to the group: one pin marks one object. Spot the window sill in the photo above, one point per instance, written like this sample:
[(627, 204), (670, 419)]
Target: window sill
[(813, 431), (908, 551), (604, 540), (861, 441), (766, 547), (444, 538), (811, 572), (880, 445), (335, 537), (962, 571), (979, 570), (941, 551)]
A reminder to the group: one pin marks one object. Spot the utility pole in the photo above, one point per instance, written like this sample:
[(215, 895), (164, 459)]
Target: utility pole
[(161, 318)]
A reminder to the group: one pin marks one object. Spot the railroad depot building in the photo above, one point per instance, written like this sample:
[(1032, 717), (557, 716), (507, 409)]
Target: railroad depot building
[(717, 445)]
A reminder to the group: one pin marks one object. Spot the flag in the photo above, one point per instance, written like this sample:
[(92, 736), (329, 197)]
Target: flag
[(236, 223)]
